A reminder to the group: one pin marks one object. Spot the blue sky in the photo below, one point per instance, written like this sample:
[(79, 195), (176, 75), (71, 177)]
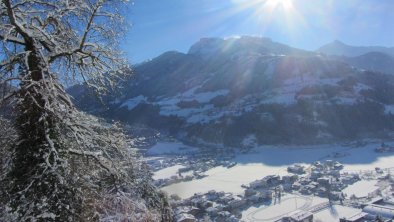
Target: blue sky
[(162, 25)]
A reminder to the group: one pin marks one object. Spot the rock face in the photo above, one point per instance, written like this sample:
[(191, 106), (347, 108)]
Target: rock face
[(229, 90)]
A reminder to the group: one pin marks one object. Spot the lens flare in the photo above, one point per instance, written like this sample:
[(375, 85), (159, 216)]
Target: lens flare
[(271, 14), (286, 5)]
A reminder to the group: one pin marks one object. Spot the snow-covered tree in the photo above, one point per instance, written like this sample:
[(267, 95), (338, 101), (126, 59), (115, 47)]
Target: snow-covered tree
[(64, 161)]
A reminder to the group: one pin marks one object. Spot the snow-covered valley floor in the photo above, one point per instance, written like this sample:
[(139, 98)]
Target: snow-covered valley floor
[(268, 160)]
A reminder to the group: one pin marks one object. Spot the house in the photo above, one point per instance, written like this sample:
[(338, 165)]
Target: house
[(187, 210), (237, 203), (212, 211), (323, 181), (250, 192), (299, 216), (315, 174), (296, 186), (254, 199), (258, 184), (266, 194), (380, 208), (359, 217), (298, 169), (289, 179), (318, 165), (322, 192), (212, 195), (272, 180), (350, 178), (338, 166), (185, 218), (223, 216)]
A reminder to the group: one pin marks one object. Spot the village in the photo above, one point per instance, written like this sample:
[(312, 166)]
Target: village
[(322, 191), (320, 179)]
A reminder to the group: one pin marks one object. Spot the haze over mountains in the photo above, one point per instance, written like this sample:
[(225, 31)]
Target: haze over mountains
[(376, 58), (339, 48), (239, 91)]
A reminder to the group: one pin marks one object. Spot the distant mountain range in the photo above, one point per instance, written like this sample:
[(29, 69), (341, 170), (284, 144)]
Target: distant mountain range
[(339, 48), (375, 58), (247, 90)]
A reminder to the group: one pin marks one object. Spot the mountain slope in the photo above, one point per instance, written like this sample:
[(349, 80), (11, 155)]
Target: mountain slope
[(376, 61), (228, 91)]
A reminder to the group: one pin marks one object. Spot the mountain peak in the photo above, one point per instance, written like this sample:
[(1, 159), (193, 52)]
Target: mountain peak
[(208, 47), (337, 42)]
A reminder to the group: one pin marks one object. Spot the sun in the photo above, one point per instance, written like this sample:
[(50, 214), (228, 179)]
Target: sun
[(267, 14), (286, 5)]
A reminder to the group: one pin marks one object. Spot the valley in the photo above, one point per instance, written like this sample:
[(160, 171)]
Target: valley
[(360, 158)]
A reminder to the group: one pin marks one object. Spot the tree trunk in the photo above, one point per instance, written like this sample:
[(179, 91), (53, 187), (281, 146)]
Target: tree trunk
[(39, 181)]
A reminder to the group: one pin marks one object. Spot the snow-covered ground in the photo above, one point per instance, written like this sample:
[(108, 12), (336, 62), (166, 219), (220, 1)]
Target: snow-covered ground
[(167, 172), (133, 102), (163, 148), (269, 160), (361, 188), (333, 213), (277, 210)]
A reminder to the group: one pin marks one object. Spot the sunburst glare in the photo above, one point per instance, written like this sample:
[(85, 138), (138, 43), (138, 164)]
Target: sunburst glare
[(274, 4), (277, 13)]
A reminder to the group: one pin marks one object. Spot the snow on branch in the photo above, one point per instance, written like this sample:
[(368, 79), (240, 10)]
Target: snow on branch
[(78, 37)]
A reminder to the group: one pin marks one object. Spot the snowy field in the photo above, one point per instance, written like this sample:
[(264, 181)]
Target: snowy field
[(275, 211), (269, 160), (167, 172), (333, 213), (361, 188)]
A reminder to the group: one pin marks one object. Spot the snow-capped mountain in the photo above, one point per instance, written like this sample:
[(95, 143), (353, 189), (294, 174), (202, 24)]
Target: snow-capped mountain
[(232, 91)]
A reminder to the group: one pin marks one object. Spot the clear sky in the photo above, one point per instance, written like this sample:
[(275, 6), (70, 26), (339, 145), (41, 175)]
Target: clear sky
[(162, 25)]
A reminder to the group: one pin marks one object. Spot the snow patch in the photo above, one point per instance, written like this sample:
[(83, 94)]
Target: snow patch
[(389, 109), (167, 172), (133, 102), (361, 188), (249, 141), (360, 87)]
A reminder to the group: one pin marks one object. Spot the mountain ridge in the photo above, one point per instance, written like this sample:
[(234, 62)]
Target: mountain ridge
[(338, 48), (251, 87)]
